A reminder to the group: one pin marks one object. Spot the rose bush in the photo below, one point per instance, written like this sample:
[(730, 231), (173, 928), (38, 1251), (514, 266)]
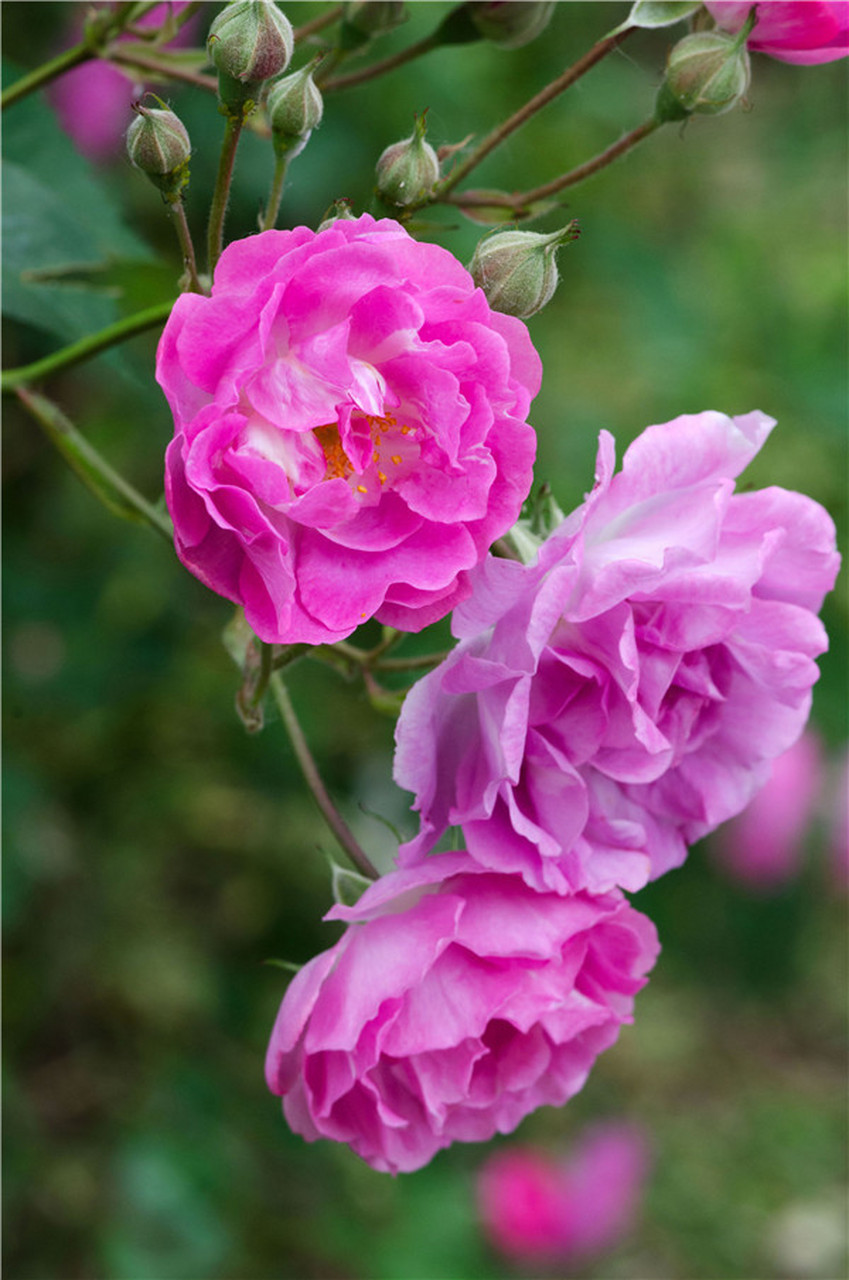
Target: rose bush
[(350, 430), (455, 1003), (618, 698), (800, 31)]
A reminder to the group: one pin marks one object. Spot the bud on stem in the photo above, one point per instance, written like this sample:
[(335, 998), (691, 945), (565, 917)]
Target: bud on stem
[(408, 171), (517, 269), (158, 144), (249, 42), (295, 107), (707, 73)]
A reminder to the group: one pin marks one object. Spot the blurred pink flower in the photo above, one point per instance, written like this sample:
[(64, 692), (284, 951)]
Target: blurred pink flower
[(617, 699), (801, 31), (350, 429), (455, 1003), (535, 1208), (763, 846), (93, 100)]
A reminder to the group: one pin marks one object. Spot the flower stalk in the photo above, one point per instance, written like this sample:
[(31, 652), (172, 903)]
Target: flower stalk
[(312, 777)]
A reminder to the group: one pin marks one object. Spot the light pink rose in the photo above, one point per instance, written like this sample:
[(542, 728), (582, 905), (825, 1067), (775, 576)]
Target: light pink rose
[(93, 101), (534, 1207), (800, 31), (350, 431), (455, 1003), (763, 846), (617, 699)]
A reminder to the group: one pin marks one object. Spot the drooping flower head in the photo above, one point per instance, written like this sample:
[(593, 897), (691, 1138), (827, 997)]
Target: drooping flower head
[(800, 31), (455, 1003), (618, 698), (350, 429)]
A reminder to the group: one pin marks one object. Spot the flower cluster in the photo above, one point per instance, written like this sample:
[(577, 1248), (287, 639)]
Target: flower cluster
[(608, 704)]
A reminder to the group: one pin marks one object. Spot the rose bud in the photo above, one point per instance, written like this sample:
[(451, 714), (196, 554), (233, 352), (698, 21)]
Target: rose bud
[(517, 270), (511, 23), (364, 19), (295, 107), (158, 144), (249, 42), (707, 73), (408, 171)]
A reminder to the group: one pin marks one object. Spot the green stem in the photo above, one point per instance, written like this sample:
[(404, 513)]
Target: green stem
[(86, 347), (130, 56), (380, 68), (184, 236), (331, 815), (116, 493), (276, 193), (523, 199), (601, 161), (540, 100), (318, 24), (218, 208), (48, 71)]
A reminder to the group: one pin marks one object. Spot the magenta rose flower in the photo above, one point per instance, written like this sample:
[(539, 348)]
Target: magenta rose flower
[(800, 31), (350, 432), (455, 1003), (618, 698), (536, 1207)]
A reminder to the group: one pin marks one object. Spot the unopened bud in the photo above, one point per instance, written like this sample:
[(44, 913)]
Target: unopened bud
[(295, 107), (340, 210), (158, 144), (249, 42), (517, 270), (364, 19), (707, 73), (408, 171), (510, 23)]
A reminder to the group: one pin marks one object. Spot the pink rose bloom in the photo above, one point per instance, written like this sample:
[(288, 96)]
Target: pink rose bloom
[(534, 1207), (800, 31), (93, 100), (763, 845), (617, 699), (350, 431), (455, 1003)]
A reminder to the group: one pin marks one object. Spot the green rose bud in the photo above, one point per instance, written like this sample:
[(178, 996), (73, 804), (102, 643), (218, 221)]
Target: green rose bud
[(295, 107), (158, 144), (249, 42), (340, 209), (707, 74), (510, 23), (517, 270), (408, 171)]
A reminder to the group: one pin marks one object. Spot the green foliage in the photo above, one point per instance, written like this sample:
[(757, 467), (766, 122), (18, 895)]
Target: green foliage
[(156, 856)]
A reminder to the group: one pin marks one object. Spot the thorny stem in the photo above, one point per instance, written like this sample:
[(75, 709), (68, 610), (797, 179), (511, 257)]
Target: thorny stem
[(116, 493), (546, 95), (86, 347), (318, 24), (184, 236), (275, 195), (380, 68), (313, 780), (524, 198), (218, 208)]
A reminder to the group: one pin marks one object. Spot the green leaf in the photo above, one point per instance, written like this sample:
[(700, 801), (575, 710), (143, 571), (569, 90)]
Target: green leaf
[(657, 13), (61, 228)]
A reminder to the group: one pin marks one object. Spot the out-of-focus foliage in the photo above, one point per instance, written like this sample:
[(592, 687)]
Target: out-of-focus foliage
[(156, 857)]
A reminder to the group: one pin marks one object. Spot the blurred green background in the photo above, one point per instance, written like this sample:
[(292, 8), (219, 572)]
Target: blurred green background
[(156, 856)]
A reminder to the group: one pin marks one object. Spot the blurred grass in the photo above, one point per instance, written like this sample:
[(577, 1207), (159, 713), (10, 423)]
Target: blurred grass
[(156, 856)]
